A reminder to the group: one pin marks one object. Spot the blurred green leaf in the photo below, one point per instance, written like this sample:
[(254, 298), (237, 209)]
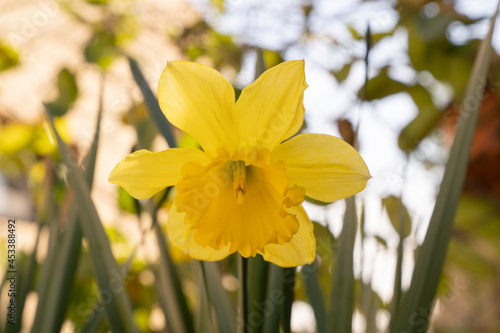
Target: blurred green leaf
[(8, 57), (325, 258), (271, 59), (382, 86), (201, 40), (63, 263), (146, 129), (342, 294), (469, 259), (126, 202), (425, 121), (430, 50), (152, 103), (218, 4), (222, 305), (369, 304), (478, 217), (432, 253), (101, 49), (98, 2), (314, 291), (170, 292), (397, 212), (342, 74), (67, 93), (107, 272), (381, 241)]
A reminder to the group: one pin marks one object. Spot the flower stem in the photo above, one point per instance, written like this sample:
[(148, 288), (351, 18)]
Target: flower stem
[(243, 294)]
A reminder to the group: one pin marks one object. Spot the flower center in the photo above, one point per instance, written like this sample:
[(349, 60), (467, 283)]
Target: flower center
[(242, 200), (239, 180)]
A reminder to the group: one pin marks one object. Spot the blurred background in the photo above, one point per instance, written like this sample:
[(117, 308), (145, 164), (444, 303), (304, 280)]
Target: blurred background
[(72, 55)]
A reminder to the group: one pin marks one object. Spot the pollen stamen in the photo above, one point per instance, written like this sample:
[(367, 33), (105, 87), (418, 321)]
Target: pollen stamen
[(239, 182)]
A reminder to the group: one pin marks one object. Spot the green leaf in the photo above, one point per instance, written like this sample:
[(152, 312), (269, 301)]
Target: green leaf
[(101, 49), (381, 241), (52, 306), (342, 294), (204, 318), (139, 117), (472, 261), (8, 57), (425, 121), (370, 303), (67, 93), (397, 213), (381, 86), (432, 253), (478, 217), (342, 74), (222, 305), (108, 275), (309, 274), (126, 202), (170, 293), (152, 103)]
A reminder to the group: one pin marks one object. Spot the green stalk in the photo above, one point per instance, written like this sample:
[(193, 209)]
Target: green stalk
[(242, 294)]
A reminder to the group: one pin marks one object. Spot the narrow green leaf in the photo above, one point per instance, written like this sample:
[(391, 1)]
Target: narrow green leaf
[(54, 243), (223, 307), (260, 64), (52, 306), (96, 318), (342, 294), (205, 323), (108, 275), (370, 302), (401, 221), (242, 294), (396, 295), (171, 296), (417, 303), (176, 310), (314, 293), (152, 102), (94, 322)]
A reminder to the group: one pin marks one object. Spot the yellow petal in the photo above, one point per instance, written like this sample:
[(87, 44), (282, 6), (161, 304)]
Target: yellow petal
[(300, 250), (144, 173), (230, 203), (327, 167), (182, 236), (200, 101), (270, 110)]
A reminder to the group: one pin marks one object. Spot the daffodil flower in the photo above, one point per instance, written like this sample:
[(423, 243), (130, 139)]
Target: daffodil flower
[(243, 191)]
